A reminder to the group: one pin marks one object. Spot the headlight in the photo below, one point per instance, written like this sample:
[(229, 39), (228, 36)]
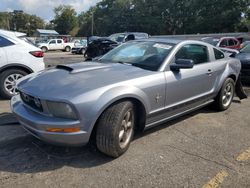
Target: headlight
[(61, 110)]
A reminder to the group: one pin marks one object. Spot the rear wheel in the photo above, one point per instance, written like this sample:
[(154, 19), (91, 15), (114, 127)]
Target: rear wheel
[(225, 96), (115, 129), (8, 80), (67, 48)]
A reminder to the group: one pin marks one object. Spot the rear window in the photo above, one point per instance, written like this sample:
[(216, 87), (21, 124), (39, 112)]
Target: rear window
[(218, 54), (5, 42)]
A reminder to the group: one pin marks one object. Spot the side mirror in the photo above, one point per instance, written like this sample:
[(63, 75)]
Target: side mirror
[(182, 64)]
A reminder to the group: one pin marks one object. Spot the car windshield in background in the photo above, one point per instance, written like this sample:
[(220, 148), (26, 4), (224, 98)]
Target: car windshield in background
[(146, 55), (246, 49), (117, 37)]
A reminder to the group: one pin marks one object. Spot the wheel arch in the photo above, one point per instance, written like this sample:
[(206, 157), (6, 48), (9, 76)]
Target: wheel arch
[(140, 111), (16, 66), (233, 76), (67, 46)]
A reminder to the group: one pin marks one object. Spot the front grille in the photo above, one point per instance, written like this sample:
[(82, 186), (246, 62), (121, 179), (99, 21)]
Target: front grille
[(32, 102)]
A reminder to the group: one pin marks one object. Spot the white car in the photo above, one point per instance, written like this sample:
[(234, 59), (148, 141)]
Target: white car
[(56, 44), (17, 59)]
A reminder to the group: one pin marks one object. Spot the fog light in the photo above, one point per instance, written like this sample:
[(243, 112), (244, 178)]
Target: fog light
[(64, 130)]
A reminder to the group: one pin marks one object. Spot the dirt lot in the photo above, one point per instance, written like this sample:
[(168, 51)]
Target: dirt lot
[(205, 148)]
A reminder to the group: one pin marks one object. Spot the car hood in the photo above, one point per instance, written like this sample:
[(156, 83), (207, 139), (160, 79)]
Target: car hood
[(243, 57), (69, 81)]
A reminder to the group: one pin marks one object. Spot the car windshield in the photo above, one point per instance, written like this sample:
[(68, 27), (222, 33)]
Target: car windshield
[(146, 55), (117, 37), (81, 43), (246, 49)]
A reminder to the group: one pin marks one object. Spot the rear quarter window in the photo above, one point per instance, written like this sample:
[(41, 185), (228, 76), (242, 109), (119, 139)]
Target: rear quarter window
[(5, 42), (218, 54)]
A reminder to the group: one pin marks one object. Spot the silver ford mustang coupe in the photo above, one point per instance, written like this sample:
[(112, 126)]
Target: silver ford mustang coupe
[(135, 86)]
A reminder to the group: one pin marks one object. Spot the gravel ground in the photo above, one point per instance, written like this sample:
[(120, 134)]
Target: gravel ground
[(200, 149)]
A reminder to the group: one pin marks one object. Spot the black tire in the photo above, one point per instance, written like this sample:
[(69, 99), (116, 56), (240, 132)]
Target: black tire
[(4, 75), (219, 103), (67, 48), (109, 129), (44, 49)]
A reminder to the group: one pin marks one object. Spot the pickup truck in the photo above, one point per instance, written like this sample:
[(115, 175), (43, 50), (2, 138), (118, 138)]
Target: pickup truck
[(56, 44)]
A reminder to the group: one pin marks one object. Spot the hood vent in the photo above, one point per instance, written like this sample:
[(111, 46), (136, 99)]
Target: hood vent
[(64, 67)]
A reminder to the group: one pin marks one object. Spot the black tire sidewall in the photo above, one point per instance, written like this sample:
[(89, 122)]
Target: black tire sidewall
[(109, 126), (3, 76)]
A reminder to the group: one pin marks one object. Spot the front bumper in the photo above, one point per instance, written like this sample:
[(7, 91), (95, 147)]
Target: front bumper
[(36, 124)]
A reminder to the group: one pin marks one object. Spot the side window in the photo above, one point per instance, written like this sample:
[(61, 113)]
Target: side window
[(231, 42), (224, 43), (5, 42), (197, 53), (59, 41), (52, 42), (218, 54)]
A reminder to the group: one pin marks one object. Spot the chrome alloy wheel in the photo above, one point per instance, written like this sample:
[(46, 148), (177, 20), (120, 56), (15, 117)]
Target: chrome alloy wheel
[(228, 94), (126, 131), (10, 83)]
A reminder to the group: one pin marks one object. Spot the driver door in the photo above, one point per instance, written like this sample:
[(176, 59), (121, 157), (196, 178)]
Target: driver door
[(52, 45), (187, 85)]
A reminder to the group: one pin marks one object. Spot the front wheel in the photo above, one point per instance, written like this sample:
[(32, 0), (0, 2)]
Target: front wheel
[(115, 129), (225, 96), (44, 49)]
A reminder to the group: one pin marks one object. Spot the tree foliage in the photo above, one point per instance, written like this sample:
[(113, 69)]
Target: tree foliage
[(65, 19), (155, 17), (165, 16), (19, 21)]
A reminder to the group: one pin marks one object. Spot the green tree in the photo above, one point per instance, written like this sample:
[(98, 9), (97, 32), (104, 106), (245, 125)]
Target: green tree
[(5, 20), (165, 16), (65, 19), (19, 21)]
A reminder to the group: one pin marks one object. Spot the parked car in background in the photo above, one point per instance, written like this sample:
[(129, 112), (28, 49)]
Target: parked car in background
[(124, 37), (135, 86), (224, 42), (17, 59), (244, 44), (244, 57), (80, 47), (98, 46), (56, 44)]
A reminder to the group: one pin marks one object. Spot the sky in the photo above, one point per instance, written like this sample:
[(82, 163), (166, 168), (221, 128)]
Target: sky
[(44, 8)]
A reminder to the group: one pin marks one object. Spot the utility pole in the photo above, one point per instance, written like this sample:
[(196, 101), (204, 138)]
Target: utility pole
[(92, 25)]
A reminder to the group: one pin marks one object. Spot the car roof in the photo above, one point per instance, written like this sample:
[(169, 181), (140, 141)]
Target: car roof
[(12, 34), (162, 39)]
